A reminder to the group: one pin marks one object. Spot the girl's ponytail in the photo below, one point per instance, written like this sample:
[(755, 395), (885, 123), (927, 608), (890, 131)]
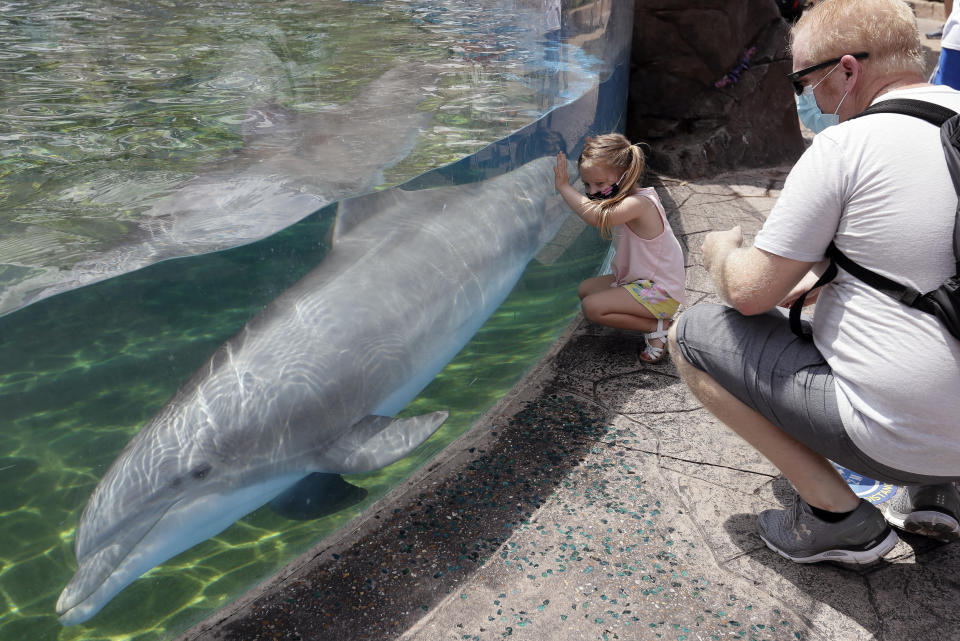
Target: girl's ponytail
[(624, 155)]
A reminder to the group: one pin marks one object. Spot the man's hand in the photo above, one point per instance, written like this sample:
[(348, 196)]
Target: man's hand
[(748, 279), (561, 178), (717, 244)]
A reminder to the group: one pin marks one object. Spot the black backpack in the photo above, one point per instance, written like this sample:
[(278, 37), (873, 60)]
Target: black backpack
[(943, 302)]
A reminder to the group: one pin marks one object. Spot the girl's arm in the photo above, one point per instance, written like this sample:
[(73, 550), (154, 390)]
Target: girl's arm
[(630, 209), (580, 204)]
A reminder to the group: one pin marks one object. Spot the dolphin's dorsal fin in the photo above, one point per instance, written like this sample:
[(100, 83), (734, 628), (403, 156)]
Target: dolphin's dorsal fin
[(376, 441)]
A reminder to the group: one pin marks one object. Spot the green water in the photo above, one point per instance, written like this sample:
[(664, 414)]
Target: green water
[(87, 380), (107, 107)]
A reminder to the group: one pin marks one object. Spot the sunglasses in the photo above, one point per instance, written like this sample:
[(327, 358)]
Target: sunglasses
[(794, 77)]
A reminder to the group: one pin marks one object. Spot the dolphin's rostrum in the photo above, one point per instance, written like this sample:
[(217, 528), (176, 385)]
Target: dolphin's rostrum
[(309, 384)]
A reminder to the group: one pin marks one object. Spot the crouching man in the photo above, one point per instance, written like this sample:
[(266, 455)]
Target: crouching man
[(878, 388)]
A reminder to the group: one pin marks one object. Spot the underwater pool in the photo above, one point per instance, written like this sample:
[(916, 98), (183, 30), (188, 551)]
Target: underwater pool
[(168, 170)]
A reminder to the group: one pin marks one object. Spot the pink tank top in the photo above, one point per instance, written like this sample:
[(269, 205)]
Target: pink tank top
[(659, 259)]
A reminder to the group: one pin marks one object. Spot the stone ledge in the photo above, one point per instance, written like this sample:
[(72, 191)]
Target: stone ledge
[(925, 9)]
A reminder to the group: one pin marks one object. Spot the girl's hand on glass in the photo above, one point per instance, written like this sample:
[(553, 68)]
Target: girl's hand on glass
[(561, 177)]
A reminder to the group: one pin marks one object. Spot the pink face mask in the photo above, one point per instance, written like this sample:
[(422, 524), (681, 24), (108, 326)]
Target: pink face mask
[(609, 192)]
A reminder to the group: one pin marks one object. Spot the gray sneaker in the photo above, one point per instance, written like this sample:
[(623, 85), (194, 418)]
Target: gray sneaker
[(931, 510), (863, 537)]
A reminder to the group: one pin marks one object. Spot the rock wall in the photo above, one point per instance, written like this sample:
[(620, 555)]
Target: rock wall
[(708, 90)]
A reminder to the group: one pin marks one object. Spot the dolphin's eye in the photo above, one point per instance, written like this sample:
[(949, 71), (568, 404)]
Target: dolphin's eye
[(200, 472)]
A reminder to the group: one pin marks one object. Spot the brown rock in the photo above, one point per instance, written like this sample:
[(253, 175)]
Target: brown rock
[(708, 87)]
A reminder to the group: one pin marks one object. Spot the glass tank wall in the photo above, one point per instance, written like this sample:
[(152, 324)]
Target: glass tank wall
[(241, 229)]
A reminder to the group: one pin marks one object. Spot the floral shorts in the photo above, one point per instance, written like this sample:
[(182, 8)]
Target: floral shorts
[(653, 297)]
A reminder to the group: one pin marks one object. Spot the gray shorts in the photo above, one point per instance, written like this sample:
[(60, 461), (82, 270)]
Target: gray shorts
[(784, 378)]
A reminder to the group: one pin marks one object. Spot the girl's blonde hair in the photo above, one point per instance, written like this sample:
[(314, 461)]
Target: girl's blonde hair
[(615, 151), (886, 29)]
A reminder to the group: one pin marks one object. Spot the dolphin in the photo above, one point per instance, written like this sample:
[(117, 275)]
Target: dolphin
[(289, 166), (309, 384)]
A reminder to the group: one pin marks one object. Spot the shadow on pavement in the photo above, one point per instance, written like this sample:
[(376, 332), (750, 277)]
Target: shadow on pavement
[(913, 589)]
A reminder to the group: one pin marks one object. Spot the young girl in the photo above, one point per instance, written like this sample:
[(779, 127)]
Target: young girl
[(647, 283)]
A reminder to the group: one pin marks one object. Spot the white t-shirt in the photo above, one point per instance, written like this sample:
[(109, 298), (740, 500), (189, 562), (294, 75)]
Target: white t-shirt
[(951, 29), (879, 187)]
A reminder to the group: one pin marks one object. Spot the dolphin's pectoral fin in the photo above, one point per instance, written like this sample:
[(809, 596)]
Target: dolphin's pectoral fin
[(317, 495), (377, 441)]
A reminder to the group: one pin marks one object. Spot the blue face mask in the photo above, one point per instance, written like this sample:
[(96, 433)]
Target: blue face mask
[(810, 114), (809, 111)]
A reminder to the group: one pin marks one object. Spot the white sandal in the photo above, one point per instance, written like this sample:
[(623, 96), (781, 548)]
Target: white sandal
[(651, 353)]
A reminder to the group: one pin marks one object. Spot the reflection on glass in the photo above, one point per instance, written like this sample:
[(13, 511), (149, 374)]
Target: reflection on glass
[(217, 130)]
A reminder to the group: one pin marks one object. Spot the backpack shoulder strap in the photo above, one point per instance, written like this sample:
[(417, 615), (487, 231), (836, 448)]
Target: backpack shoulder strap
[(795, 326), (906, 295), (949, 122), (931, 112), (937, 115)]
